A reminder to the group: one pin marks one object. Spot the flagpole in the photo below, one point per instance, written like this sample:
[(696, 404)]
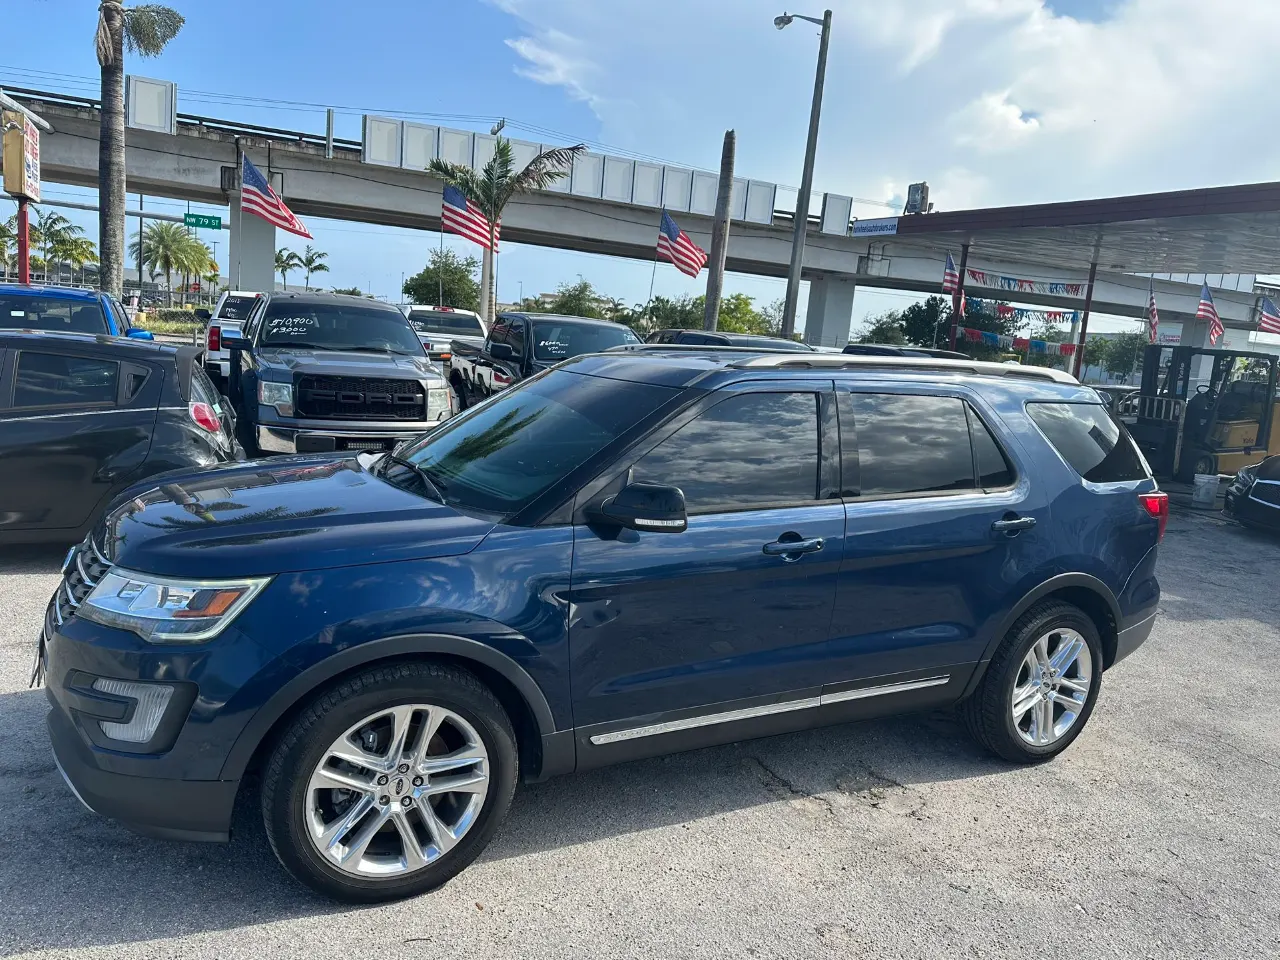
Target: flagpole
[(439, 266), (239, 213), (648, 312)]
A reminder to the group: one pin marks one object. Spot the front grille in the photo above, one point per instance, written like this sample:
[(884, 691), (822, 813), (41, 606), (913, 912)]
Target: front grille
[(87, 565), (1266, 493), (359, 398)]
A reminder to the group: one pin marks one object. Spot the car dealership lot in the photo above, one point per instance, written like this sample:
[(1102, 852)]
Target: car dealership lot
[(1153, 835)]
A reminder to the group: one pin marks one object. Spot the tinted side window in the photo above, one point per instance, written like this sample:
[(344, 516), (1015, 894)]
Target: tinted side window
[(747, 451), (1097, 447), (993, 466), (515, 337), (911, 444), (43, 379), (498, 333)]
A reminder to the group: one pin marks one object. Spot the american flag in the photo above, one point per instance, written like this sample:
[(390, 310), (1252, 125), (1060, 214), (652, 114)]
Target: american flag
[(1153, 316), (1269, 321), (257, 197), (460, 215), (674, 245), (1207, 311), (950, 277)]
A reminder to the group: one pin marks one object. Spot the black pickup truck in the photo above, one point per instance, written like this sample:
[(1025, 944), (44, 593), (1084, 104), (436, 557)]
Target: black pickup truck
[(315, 372), (521, 344)]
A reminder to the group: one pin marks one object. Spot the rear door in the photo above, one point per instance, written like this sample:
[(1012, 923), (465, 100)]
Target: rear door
[(943, 526), (74, 425)]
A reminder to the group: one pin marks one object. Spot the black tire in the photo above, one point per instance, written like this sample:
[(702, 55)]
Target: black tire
[(302, 745), (987, 714), (460, 389)]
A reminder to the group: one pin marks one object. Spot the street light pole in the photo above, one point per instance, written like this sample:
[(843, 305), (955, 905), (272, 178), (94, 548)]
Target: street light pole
[(806, 179)]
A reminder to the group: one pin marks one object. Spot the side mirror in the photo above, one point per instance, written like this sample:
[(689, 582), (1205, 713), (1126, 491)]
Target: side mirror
[(235, 343), (139, 335), (202, 314), (654, 507), (501, 351)]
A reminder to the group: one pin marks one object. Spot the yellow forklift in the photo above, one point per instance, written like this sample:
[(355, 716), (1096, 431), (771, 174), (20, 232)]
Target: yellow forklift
[(1206, 411)]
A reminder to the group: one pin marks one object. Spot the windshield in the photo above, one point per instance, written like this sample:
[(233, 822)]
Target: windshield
[(432, 321), (236, 308), (51, 313), (501, 456), (337, 326), (554, 340)]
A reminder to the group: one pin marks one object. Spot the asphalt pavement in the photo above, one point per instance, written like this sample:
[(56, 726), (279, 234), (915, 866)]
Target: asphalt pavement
[(1154, 835)]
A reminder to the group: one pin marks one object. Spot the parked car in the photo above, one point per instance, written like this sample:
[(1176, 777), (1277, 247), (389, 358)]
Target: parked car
[(439, 327), (901, 350), (1253, 497), (82, 417), (64, 310), (225, 320), (317, 372), (633, 554), (522, 344), (720, 338)]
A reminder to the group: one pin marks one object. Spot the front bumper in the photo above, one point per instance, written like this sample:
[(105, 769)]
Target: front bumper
[(326, 436)]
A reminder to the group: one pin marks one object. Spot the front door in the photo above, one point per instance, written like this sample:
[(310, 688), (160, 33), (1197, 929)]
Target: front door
[(688, 629)]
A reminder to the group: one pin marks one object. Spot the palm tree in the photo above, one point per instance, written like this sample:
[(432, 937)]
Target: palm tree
[(286, 261), (144, 30), (77, 252), (8, 237), (313, 262), (56, 232), (491, 188), (165, 248), (34, 236)]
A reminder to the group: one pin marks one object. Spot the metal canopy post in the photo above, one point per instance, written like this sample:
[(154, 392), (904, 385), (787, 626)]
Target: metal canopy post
[(957, 298), (1084, 321)]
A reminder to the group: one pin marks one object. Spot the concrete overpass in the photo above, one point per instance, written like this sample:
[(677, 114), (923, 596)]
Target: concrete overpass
[(1051, 245)]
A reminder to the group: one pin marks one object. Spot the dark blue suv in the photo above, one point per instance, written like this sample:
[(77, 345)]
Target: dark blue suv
[(631, 554)]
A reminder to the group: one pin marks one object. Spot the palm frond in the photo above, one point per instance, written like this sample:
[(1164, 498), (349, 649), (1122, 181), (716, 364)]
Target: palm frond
[(546, 168), (102, 44), (148, 28)]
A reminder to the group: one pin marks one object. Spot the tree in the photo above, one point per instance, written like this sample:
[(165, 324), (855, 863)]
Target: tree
[(493, 187), (312, 261), (684, 312), (168, 248), (576, 300), (448, 280), (55, 232), (349, 291), (771, 316), (8, 239), (286, 262), (1118, 355), (927, 324), (78, 252), (886, 328), (145, 30)]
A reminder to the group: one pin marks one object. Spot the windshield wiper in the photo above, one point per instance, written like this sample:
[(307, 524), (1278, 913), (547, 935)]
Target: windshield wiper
[(433, 491)]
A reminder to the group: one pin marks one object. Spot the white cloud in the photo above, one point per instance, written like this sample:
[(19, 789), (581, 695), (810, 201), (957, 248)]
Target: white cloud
[(992, 124), (554, 58)]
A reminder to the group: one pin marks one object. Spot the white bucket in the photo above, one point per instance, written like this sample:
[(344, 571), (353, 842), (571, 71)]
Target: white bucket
[(1205, 490)]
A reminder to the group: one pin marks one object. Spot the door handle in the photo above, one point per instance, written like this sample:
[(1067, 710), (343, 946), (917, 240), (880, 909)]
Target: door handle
[(1012, 526), (792, 549)]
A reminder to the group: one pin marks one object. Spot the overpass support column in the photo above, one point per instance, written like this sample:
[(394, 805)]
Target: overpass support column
[(252, 264), (830, 312)]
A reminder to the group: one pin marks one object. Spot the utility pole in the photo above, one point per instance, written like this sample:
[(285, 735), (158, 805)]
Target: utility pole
[(806, 179), (720, 232)]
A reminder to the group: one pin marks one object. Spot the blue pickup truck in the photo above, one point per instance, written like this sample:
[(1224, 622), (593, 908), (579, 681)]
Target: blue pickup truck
[(630, 554), (64, 310)]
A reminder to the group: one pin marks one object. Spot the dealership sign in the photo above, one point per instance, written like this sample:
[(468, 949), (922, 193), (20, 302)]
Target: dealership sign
[(880, 227), (21, 157)]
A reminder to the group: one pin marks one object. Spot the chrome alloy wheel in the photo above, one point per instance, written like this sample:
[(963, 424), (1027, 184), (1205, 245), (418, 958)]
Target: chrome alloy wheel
[(397, 791), (1052, 687)]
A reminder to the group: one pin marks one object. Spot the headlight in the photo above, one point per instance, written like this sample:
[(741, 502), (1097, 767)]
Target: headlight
[(278, 395), (438, 403), (168, 611)]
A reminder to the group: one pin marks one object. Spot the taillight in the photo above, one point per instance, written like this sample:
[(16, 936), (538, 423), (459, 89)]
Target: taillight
[(215, 339), (1157, 505), (446, 356), (502, 378), (204, 416)]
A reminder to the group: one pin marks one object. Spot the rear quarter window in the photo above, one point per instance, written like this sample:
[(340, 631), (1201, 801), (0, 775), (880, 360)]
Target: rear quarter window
[(1096, 446)]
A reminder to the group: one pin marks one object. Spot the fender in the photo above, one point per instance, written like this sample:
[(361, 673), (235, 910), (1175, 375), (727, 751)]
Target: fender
[(311, 679), (1052, 585)]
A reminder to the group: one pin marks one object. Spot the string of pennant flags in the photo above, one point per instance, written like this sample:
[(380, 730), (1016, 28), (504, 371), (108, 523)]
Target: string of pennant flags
[(1020, 314), (1019, 285), (1018, 344)]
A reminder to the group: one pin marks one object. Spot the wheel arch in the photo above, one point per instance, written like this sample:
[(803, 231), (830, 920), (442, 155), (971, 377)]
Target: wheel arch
[(519, 693), (1081, 590)]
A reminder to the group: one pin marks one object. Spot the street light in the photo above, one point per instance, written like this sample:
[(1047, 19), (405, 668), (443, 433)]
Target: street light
[(806, 179)]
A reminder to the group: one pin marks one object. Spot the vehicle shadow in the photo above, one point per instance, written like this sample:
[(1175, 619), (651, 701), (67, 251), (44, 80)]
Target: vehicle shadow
[(72, 879)]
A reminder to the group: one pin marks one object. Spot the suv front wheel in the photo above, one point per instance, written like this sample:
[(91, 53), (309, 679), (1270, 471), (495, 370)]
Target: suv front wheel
[(391, 783), (1040, 687)]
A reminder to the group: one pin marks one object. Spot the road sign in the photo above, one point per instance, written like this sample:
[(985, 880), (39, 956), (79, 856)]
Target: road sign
[(21, 156), (202, 222)]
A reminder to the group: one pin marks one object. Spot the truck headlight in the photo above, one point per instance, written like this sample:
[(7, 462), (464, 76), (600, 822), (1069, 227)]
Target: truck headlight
[(160, 610), (438, 405), (278, 395)]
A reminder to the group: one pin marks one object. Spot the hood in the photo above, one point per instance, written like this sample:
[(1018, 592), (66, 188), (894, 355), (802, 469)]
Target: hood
[(281, 515), (342, 363)]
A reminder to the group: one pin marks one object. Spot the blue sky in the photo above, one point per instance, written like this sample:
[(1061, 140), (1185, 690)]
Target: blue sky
[(991, 101)]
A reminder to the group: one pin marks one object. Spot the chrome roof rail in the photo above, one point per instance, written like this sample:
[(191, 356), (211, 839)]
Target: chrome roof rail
[(835, 361)]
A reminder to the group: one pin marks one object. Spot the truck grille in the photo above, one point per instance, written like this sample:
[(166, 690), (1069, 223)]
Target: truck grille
[(86, 567), (359, 398)]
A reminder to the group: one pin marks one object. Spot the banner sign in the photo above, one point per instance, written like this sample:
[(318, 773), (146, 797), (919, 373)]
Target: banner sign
[(880, 227), (21, 157)]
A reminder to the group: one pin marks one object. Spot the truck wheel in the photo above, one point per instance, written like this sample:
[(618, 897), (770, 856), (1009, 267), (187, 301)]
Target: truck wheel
[(1040, 687), (389, 784), (460, 389)]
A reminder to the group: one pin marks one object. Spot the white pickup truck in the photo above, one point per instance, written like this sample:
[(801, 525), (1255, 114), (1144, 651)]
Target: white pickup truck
[(225, 320), (438, 327)]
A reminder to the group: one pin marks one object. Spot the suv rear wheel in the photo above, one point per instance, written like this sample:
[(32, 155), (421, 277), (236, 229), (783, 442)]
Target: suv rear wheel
[(1040, 687), (391, 783)]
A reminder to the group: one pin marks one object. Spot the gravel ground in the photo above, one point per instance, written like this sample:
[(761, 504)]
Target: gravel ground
[(1153, 836)]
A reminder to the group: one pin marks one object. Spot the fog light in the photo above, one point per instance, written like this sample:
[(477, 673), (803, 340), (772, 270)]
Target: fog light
[(152, 699)]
